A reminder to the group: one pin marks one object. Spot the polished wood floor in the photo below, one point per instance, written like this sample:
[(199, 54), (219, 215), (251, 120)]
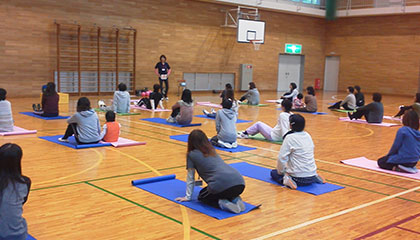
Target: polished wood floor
[(86, 194)]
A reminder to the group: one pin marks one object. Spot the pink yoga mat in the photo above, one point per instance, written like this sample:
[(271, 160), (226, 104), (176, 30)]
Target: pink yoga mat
[(363, 162), (124, 142), (17, 131), (209, 104), (345, 119), (150, 110), (271, 101), (392, 118)]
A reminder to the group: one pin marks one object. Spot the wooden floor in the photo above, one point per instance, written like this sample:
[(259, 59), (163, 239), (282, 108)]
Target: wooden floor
[(86, 194)]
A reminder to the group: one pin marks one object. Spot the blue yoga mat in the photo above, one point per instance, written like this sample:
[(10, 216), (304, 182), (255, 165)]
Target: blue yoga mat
[(263, 174), (31, 114), (72, 142), (29, 237), (237, 121), (314, 113), (170, 188), (184, 138), (163, 121)]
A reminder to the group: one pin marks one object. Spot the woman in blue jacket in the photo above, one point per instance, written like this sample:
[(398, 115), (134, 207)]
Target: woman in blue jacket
[(405, 152)]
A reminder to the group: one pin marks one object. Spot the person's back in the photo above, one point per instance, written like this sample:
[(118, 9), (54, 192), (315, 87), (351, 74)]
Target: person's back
[(253, 96), (406, 148), (121, 102), (215, 172), (226, 125), (376, 113), (6, 117), (185, 115), (311, 104), (12, 224), (157, 97), (88, 127), (299, 148), (360, 99), (50, 104), (350, 100), (112, 132)]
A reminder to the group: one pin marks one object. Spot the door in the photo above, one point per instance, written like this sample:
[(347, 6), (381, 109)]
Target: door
[(332, 69), (290, 70)]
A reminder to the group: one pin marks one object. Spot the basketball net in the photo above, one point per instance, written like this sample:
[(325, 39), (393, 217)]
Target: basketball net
[(257, 44)]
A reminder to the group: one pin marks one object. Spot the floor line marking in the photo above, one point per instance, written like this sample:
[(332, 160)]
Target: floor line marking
[(320, 219)]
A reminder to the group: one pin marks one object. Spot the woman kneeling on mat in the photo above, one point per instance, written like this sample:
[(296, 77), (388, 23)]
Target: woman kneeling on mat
[(182, 111), (225, 126), (272, 134), (49, 102), (252, 96), (224, 183), (349, 103), (415, 106), (310, 102), (373, 112), (405, 152), (296, 164), (84, 125)]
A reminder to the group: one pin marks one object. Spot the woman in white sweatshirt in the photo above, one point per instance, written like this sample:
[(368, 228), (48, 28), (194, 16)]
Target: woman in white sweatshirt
[(296, 164)]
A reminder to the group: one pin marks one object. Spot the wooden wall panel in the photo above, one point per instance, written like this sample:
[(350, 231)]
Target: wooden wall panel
[(379, 53), (187, 32)]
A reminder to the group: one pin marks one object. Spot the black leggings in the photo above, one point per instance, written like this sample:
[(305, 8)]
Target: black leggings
[(72, 130), (175, 112), (213, 199), (146, 102), (382, 163), (304, 109), (165, 93), (337, 106), (402, 110)]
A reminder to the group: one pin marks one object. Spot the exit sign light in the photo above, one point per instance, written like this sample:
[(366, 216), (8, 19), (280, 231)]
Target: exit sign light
[(293, 48)]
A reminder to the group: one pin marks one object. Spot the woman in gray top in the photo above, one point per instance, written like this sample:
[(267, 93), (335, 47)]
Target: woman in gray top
[(373, 112), (14, 190), (349, 103), (225, 126), (310, 102), (252, 96), (224, 183)]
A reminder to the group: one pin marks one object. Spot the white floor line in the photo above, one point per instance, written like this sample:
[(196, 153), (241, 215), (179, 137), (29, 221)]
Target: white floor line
[(304, 224)]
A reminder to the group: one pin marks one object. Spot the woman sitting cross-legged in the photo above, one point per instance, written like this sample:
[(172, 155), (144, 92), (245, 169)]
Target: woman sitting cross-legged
[(225, 126), (373, 112), (84, 125), (224, 183), (310, 102), (405, 152), (296, 164), (272, 134)]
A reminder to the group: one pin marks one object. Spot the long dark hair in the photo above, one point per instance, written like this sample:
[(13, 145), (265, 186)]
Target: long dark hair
[(10, 165), (411, 119), (294, 86), (186, 96), (199, 140), (230, 94), (310, 90), (252, 85), (83, 104), (50, 89)]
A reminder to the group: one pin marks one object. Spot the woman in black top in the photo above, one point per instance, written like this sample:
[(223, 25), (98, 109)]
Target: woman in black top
[(360, 98), (163, 70)]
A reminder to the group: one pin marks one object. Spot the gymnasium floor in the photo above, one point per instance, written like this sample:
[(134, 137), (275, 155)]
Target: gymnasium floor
[(86, 194)]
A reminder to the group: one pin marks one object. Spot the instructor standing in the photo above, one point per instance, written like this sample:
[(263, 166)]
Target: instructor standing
[(163, 70)]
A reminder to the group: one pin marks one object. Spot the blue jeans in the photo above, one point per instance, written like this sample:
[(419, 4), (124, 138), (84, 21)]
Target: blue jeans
[(300, 181)]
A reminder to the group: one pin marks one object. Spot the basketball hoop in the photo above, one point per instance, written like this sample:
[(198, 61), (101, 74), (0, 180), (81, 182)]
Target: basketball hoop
[(257, 44)]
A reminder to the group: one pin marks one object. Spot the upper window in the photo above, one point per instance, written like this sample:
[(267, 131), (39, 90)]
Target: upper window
[(316, 2)]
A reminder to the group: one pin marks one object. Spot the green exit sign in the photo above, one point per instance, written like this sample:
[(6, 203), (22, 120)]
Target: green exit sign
[(293, 48)]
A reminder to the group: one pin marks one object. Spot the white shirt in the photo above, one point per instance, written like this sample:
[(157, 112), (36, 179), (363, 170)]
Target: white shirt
[(282, 126), (296, 155)]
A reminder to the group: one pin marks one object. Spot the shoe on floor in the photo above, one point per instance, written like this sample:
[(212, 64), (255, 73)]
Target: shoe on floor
[(34, 107), (38, 107), (213, 111), (288, 182), (320, 179), (206, 112), (167, 99), (171, 120), (238, 201), (242, 135), (224, 144), (226, 205), (63, 140), (234, 145), (101, 104)]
